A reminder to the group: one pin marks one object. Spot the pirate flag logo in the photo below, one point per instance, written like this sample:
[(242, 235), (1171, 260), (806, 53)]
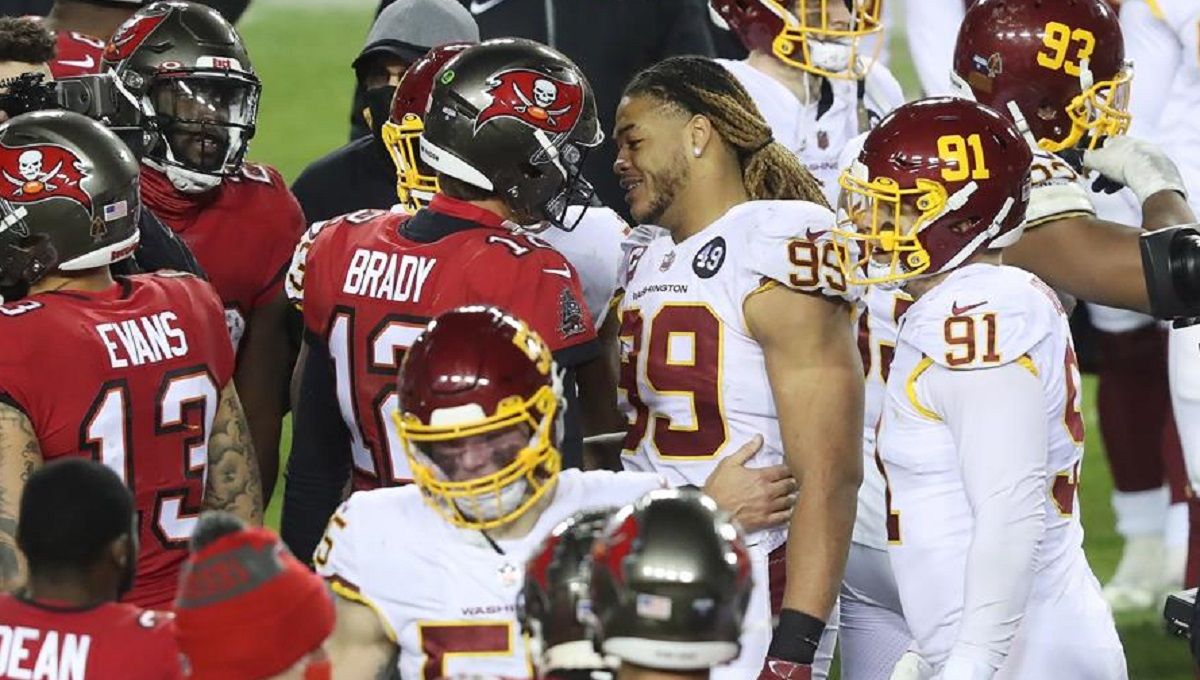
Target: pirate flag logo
[(131, 34), (533, 98), (35, 173)]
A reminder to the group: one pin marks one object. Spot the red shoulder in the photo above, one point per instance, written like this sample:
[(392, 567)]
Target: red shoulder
[(261, 190), (361, 227)]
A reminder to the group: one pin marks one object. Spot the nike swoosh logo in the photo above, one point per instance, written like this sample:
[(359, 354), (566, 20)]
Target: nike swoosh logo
[(90, 62), (959, 311), (814, 234), (564, 272), (481, 7)]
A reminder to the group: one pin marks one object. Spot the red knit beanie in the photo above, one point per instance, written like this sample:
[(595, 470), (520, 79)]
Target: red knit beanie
[(247, 609)]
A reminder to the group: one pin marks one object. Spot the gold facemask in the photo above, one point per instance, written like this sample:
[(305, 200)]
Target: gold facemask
[(817, 42), (1100, 111), (414, 188)]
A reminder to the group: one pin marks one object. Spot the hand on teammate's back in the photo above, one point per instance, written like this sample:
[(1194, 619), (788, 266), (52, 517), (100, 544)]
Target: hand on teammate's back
[(758, 498)]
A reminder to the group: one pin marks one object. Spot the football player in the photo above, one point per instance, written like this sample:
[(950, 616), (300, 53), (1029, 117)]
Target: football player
[(372, 279), (735, 322), (657, 622), (1061, 68), (433, 569), (134, 372), (809, 76), (1161, 38), (981, 435), (78, 533), (188, 67), (553, 605)]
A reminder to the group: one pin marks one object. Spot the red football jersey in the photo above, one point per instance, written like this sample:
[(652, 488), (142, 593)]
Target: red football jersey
[(369, 292), (243, 234), (42, 640), (130, 376), (76, 54)]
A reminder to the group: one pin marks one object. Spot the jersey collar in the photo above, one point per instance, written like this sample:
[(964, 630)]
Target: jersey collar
[(463, 210)]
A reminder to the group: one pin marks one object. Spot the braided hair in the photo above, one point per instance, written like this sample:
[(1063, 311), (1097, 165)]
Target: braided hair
[(701, 86)]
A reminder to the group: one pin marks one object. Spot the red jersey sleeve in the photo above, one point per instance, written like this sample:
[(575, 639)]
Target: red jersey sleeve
[(543, 290), (289, 227), (76, 54)]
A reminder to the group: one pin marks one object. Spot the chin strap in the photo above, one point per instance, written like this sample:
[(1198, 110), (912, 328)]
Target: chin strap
[(186, 181)]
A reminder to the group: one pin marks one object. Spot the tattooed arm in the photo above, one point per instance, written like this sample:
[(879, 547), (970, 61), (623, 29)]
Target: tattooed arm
[(20, 455), (234, 484)]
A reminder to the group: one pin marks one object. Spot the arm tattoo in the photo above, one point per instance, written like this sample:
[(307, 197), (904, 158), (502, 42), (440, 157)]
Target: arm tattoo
[(234, 484), (20, 455)]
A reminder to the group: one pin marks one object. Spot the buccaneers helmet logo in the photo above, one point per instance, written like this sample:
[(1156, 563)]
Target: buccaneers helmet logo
[(131, 34), (534, 99), (35, 173)]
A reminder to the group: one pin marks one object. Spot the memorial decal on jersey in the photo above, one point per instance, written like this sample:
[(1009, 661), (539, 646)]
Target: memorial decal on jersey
[(41, 171), (131, 34), (534, 98), (709, 258)]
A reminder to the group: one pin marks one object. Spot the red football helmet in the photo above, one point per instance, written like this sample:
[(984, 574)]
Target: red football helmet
[(416, 182), (479, 411), (937, 181), (818, 36), (1061, 62)]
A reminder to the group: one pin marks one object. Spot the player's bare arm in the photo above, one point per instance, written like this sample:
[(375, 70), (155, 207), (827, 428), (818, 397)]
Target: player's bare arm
[(1091, 259), (20, 455), (816, 378), (261, 378), (359, 647), (234, 484)]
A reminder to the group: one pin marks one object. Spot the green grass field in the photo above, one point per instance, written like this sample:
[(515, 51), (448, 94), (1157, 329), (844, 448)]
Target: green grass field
[(303, 49)]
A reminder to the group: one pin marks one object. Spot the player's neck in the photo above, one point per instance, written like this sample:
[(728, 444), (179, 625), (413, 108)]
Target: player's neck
[(91, 280), (76, 590), (497, 206), (805, 86), (94, 20), (629, 671), (922, 286), (712, 191)]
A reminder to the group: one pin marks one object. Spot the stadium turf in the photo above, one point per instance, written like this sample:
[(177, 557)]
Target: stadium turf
[(302, 49)]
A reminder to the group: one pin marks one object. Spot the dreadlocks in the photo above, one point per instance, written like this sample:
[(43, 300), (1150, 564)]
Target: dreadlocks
[(700, 86)]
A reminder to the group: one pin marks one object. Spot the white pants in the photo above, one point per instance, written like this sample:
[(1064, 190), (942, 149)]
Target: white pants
[(1067, 635), (873, 633), (1183, 357), (759, 624)]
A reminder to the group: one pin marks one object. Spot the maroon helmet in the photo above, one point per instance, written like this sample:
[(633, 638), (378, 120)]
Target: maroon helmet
[(818, 36), (937, 181), (416, 182), (1062, 62), (480, 402)]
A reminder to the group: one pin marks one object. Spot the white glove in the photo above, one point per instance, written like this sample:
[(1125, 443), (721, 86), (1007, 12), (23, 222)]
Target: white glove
[(1138, 164), (912, 667), (1056, 191)]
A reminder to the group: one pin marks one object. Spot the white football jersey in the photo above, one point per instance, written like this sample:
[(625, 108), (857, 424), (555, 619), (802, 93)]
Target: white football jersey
[(878, 318), (593, 248), (693, 381), (980, 316), (817, 131), (445, 595), (1162, 38)]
